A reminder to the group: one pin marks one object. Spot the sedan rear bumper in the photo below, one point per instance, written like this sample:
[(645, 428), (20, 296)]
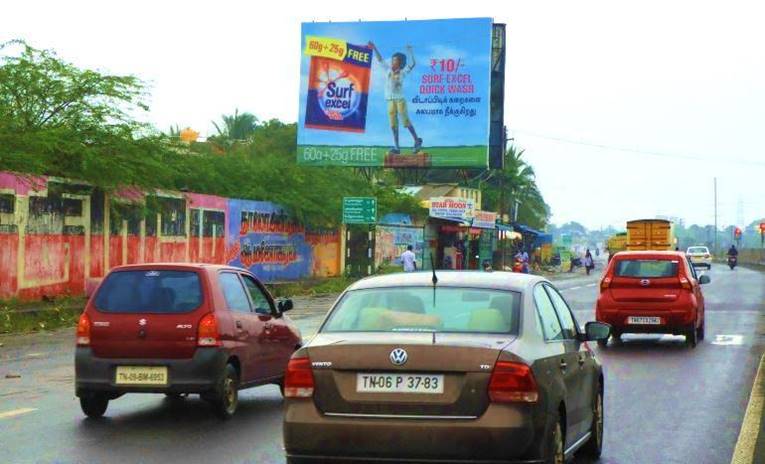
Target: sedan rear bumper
[(503, 434), (198, 374), (673, 321)]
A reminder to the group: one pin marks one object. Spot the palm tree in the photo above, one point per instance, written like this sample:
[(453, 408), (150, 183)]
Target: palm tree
[(517, 183), (237, 127)]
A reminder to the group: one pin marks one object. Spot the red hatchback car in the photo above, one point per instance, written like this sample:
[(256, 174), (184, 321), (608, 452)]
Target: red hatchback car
[(180, 329), (652, 292)]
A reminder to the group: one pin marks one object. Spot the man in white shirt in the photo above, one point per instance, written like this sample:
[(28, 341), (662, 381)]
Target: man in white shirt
[(409, 260)]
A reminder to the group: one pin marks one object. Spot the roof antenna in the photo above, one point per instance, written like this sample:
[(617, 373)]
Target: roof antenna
[(435, 281), (433, 268)]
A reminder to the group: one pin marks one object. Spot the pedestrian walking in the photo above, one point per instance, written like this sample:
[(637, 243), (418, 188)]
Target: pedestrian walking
[(589, 263), (409, 260)]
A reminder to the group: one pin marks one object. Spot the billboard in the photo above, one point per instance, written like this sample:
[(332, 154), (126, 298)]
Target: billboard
[(396, 94)]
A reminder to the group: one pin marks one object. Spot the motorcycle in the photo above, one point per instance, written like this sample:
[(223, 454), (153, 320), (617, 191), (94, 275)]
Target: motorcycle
[(732, 261)]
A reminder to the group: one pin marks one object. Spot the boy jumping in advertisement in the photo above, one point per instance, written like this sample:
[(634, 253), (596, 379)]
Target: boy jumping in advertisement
[(394, 94)]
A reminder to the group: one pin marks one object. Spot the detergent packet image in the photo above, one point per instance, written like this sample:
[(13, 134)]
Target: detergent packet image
[(338, 85)]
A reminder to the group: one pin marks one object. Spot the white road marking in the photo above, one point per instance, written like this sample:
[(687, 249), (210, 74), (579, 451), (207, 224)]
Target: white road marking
[(16, 412), (591, 285), (573, 288), (728, 340)]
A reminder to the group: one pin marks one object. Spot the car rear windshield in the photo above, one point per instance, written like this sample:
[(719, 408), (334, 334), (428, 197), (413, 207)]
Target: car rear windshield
[(698, 250), (149, 291), (646, 268), (423, 309)]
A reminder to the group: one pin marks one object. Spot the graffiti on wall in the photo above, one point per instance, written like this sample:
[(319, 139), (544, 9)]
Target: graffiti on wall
[(57, 235), (391, 242)]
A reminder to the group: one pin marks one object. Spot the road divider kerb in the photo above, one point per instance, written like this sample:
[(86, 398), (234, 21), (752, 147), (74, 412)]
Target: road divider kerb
[(16, 412), (750, 427)]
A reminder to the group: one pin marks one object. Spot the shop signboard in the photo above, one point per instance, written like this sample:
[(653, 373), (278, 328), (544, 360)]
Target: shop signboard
[(485, 220), (454, 208)]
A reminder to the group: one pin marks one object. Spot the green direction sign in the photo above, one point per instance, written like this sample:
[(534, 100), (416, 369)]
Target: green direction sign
[(359, 210)]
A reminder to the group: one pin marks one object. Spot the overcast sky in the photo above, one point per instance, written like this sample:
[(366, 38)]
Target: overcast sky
[(624, 111)]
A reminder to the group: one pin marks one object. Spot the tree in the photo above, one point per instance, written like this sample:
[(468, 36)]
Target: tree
[(236, 127), (518, 181), (57, 119)]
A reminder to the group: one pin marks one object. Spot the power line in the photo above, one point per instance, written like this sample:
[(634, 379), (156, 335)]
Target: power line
[(657, 154)]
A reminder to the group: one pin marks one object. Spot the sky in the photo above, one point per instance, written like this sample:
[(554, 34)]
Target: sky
[(624, 109)]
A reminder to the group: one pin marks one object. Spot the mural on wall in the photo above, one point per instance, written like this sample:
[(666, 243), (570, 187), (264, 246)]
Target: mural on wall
[(56, 236), (391, 242), (263, 239)]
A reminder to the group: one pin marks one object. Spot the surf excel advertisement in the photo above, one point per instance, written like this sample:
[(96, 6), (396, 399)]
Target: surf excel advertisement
[(395, 93)]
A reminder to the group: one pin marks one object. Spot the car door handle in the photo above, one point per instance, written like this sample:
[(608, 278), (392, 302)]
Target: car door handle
[(238, 324), (563, 365)]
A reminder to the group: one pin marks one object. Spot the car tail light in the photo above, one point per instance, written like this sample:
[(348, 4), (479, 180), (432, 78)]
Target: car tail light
[(298, 380), (512, 383), (685, 283), (207, 333), (706, 256), (83, 330), (605, 283)]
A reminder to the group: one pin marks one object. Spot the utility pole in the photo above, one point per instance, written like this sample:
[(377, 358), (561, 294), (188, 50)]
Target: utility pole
[(715, 252)]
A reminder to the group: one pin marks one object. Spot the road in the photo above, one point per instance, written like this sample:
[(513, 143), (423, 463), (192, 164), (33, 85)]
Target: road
[(665, 403)]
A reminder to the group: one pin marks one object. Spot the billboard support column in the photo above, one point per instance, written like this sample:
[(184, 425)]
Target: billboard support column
[(343, 246)]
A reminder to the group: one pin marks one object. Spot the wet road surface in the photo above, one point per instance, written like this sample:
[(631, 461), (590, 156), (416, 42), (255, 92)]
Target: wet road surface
[(665, 402)]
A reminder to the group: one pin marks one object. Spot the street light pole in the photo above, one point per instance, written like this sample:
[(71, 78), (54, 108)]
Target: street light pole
[(715, 216)]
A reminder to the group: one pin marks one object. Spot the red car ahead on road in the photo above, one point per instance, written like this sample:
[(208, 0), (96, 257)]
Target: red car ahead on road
[(652, 292), (179, 329)]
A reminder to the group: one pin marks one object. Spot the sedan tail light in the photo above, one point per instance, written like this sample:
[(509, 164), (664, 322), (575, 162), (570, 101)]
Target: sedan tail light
[(512, 383), (207, 332), (83, 330), (298, 380)]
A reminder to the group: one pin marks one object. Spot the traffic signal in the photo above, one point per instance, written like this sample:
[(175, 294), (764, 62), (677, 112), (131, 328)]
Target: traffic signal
[(737, 233)]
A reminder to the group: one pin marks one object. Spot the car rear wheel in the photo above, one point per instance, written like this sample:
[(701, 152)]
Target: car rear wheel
[(692, 337), (594, 446), (94, 404), (226, 398), (700, 331)]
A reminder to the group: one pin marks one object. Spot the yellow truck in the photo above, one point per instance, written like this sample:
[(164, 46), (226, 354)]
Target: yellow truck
[(650, 234), (617, 242)]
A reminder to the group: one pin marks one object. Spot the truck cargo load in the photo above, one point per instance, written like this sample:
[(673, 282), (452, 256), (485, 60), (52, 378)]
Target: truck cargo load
[(650, 234)]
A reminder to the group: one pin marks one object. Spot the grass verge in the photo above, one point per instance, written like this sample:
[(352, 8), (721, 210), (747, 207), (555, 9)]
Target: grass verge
[(25, 317)]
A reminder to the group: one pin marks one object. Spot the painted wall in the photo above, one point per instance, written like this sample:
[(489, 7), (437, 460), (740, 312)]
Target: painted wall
[(391, 241), (56, 235)]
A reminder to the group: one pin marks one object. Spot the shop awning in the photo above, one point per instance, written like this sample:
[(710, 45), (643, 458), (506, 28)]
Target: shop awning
[(527, 230), (459, 221)]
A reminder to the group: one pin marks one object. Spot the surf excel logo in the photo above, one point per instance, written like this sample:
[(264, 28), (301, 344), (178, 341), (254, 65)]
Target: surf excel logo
[(338, 85), (338, 95)]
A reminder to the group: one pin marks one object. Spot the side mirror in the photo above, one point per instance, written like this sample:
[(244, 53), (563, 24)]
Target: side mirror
[(263, 311), (704, 279), (285, 305), (595, 331)]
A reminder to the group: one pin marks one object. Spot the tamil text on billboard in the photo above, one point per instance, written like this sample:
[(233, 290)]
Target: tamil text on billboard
[(395, 94)]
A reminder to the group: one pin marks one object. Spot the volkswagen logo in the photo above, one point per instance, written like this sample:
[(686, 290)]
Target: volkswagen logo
[(141, 322), (398, 357), (645, 282)]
